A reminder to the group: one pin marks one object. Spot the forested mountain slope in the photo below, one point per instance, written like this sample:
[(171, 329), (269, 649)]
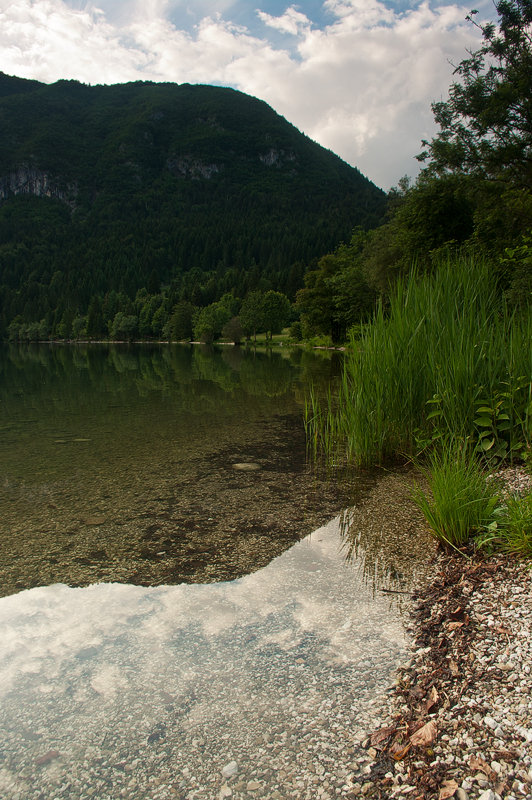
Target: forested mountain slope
[(103, 186)]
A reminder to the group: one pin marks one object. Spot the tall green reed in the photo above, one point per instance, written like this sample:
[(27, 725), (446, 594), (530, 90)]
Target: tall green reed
[(445, 348)]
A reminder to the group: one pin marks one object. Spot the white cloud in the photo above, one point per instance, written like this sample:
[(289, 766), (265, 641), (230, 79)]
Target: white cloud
[(46, 40), (361, 13), (291, 21), (361, 86)]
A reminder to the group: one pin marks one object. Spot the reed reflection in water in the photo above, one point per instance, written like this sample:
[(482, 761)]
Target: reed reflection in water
[(386, 535)]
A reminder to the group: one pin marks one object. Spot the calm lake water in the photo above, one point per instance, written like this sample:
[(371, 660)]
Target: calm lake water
[(152, 465), (172, 601)]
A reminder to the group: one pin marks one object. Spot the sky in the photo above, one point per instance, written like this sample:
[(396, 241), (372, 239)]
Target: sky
[(357, 76)]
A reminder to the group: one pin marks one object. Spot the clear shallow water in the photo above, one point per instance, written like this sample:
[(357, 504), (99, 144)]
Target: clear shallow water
[(168, 487), (118, 463), (109, 688)]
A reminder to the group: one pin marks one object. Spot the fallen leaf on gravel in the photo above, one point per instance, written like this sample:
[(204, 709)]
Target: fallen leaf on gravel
[(379, 736), (478, 763), (452, 626), (399, 753), (413, 726), (506, 755), (432, 699), (458, 613), (425, 735), (500, 629), (49, 756), (447, 789)]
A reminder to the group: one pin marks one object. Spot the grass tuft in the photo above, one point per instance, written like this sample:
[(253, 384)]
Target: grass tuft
[(460, 502), (512, 532)]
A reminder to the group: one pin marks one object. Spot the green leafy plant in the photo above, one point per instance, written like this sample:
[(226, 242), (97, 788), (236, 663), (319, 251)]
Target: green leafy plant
[(502, 424), (511, 528)]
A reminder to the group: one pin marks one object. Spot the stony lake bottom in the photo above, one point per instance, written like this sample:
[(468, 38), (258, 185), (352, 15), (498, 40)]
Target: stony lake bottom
[(189, 609)]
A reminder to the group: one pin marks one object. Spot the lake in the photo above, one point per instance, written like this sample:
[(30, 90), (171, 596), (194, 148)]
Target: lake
[(153, 465), (189, 609)]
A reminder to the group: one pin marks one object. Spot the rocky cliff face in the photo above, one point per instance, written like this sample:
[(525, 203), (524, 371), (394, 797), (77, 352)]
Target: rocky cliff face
[(28, 180), (276, 157), (190, 167)]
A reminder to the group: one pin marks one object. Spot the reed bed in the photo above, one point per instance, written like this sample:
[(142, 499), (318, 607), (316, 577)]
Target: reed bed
[(446, 361)]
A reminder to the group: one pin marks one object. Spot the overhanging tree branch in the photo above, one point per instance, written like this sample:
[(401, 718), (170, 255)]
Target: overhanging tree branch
[(486, 125)]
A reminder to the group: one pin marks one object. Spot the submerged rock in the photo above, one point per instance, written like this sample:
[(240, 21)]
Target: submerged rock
[(97, 519), (230, 769)]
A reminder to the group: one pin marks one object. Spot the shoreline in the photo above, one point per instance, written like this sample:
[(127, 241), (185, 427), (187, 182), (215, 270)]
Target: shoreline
[(459, 722)]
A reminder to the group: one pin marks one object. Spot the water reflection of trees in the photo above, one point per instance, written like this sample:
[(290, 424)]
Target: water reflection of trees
[(198, 379)]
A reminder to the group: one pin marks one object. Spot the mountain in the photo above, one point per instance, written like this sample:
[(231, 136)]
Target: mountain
[(207, 188)]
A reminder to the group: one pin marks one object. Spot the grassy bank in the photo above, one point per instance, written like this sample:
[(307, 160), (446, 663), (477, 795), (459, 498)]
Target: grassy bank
[(446, 360), (442, 376)]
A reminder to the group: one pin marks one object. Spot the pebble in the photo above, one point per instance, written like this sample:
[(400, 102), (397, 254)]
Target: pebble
[(489, 795), (485, 722)]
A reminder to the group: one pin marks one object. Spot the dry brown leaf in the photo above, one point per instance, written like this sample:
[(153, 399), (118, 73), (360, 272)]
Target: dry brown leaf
[(413, 726), (425, 735), (478, 763), (453, 666), (398, 752), (432, 699), (379, 736), (458, 613), (49, 756), (452, 626), (447, 789), (500, 629), (506, 755)]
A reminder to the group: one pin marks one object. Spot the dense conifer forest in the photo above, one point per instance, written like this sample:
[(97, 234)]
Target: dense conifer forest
[(142, 199)]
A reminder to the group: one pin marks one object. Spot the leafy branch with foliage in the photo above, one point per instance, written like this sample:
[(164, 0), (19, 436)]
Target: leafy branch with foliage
[(486, 125)]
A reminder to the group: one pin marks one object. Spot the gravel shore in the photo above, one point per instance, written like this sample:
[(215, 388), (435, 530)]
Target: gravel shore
[(460, 720), (279, 706)]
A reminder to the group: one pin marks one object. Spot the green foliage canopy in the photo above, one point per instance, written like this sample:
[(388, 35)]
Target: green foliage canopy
[(486, 125), (336, 295)]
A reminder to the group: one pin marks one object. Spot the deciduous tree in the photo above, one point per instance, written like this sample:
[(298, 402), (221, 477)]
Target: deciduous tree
[(486, 125), (275, 312)]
